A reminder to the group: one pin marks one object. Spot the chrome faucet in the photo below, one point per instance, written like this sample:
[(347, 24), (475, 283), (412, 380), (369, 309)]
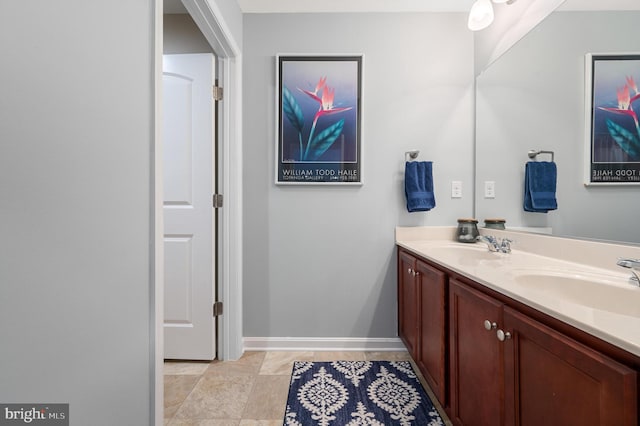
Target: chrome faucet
[(505, 245), (502, 245), (490, 241), (634, 265)]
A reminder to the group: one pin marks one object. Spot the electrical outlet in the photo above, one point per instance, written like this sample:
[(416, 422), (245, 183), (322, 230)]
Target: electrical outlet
[(489, 189), (456, 189)]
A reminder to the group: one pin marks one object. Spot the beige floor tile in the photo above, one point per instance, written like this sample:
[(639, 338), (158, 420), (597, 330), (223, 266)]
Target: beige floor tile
[(268, 398), (338, 356), (216, 422), (387, 356), (248, 364), (249, 392), (176, 390), (181, 367), (245, 422), (217, 397), (281, 363)]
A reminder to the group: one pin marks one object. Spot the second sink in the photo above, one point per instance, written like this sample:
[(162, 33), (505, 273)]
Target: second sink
[(590, 290)]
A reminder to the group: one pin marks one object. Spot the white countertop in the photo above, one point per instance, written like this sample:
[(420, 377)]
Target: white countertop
[(607, 305)]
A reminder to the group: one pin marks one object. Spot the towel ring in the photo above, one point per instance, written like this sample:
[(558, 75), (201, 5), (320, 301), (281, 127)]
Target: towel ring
[(533, 153), (411, 155)]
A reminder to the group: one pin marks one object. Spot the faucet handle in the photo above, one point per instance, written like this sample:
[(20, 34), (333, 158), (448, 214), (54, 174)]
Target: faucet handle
[(634, 265), (505, 245), (628, 263)]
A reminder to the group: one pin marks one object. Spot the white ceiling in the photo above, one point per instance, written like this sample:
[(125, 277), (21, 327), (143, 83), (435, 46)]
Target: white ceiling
[(290, 6), (269, 6), (309, 6), (600, 5)]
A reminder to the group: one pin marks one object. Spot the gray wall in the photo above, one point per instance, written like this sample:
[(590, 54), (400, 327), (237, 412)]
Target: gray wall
[(181, 35), (320, 261), (533, 98), (230, 17), (76, 132), (511, 23)]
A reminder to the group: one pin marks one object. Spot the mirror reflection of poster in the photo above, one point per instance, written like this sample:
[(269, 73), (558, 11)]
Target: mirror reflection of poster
[(613, 106), (319, 116)]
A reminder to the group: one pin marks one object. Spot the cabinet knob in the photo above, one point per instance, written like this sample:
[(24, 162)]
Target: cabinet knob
[(502, 335), (488, 325)]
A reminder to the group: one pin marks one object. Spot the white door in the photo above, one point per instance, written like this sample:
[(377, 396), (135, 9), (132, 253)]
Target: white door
[(188, 144)]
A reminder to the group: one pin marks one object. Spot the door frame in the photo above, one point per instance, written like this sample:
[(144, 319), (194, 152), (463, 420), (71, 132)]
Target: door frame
[(208, 18)]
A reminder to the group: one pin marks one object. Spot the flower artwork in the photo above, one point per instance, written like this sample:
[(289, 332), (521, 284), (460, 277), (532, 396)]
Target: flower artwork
[(628, 140), (317, 144), (318, 140), (615, 129)]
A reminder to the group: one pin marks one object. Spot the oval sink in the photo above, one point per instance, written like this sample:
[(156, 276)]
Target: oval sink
[(590, 290), (455, 246), (462, 251)]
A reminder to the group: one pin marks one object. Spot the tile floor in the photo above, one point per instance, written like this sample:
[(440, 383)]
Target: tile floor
[(249, 392)]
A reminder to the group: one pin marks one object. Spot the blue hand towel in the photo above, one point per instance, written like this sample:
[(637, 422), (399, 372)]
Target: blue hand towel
[(540, 186), (418, 186)]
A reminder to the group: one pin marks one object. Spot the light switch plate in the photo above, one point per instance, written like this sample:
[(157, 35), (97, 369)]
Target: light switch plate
[(489, 189), (456, 189)]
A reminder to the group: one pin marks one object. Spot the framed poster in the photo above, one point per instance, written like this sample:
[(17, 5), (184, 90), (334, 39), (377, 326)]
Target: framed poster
[(613, 133), (318, 106)]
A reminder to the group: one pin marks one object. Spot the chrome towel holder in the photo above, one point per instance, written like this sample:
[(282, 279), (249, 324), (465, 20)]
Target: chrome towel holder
[(411, 155), (533, 153)]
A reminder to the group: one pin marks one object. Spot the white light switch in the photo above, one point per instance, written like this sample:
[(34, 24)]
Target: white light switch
[(489, 189), (456, 189)]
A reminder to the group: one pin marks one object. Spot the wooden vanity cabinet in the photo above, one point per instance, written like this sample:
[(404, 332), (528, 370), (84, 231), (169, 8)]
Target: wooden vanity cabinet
[(551, 379), (422, 319), (408, 319), (432, 345), (509, 369), (476, 358), (493, 361)]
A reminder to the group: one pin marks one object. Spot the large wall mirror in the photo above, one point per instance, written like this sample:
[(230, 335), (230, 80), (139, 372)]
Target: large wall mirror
[(533, 98)]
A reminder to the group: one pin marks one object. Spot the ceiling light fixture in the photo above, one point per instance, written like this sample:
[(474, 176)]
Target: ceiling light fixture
[(481, 14)]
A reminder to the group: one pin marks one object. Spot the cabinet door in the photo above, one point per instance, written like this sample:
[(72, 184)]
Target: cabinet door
[(476, 360), (551, 379), (408, 302), (432, 343)]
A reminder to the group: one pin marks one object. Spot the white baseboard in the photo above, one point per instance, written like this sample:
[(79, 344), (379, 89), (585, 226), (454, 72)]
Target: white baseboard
[(374, 344)]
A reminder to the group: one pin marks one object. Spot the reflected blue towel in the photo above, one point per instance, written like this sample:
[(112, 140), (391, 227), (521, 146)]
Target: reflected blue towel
[(418, 186), (540, 186)]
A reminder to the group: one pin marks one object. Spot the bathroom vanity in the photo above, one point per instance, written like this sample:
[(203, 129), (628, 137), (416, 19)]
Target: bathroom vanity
[(548, 334)]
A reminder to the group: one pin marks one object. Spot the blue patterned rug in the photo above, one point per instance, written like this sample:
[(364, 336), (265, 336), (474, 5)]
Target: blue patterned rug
[(350, 393)]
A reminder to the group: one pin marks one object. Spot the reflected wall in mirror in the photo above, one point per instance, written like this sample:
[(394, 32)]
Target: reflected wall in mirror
[(533, 98)]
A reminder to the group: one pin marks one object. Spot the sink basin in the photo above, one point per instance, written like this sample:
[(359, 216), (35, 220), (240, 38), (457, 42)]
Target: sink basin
[(462, 251), (591, 290)]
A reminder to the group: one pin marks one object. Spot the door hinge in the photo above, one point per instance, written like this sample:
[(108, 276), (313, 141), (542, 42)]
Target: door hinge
[(217, 201), (217, 309), (217, 93)]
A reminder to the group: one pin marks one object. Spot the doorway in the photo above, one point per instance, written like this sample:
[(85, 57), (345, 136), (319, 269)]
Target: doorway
[(189, 158), (229, 71)]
